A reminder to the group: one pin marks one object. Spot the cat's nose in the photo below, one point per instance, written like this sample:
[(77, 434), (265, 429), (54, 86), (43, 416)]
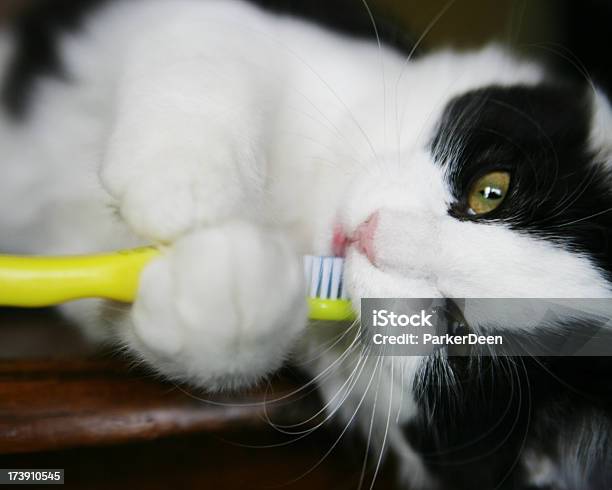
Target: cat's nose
[(363, 237)]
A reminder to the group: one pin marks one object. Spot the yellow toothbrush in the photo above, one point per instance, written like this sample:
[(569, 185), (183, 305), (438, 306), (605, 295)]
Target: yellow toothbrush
[(32, 282)]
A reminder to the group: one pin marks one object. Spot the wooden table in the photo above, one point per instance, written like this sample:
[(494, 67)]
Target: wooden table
[(67, 404)]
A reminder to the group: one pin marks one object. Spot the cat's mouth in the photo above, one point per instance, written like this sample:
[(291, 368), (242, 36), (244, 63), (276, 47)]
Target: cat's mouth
[(340, 241), (362, 238)]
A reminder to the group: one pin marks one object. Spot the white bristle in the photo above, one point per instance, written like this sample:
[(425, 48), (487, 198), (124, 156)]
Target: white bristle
[(315, 276), (336, 280), (324, 277), (326, 273), (308, 268)]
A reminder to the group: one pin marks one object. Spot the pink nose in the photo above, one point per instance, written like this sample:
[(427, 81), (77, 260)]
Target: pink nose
[(363, 237)]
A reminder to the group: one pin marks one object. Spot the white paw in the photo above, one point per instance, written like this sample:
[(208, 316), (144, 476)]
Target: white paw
[(222, 308), (164, 204), (163, 194)]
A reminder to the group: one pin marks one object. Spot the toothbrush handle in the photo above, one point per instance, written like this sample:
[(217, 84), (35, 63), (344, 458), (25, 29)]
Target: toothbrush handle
[(46, 281)]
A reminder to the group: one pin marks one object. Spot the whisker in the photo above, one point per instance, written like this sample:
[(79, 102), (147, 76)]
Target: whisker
[(369, 440), (417, 44), (401, 400), (584, 218), (327, 346), (310, 383), (348, 424), (384, 440), (351, 381), (382, 68), (526, 433)]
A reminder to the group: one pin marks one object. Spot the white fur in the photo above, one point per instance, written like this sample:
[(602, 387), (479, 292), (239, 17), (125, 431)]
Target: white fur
[(601, 126), (238, 138), (223, 319)]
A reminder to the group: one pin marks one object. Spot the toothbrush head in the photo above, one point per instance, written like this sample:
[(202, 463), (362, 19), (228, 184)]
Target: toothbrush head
[(327, 296)]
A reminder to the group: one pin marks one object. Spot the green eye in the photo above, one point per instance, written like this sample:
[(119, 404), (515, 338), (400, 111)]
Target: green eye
[(488, 192)]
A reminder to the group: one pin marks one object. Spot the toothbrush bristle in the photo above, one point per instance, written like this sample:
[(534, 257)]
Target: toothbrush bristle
[(324, 277)]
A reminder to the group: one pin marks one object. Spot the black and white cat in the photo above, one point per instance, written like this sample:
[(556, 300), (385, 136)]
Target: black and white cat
[(243, 139)]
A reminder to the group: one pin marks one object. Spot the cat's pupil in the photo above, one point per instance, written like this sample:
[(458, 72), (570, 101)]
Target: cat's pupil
[(491, 193)]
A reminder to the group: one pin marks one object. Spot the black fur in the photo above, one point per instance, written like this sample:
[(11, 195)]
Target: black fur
[(473, 430), (38, 29), (558, 191), (36, 33)]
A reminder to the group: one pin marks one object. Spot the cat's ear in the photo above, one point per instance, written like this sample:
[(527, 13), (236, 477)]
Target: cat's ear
[(601, 125)]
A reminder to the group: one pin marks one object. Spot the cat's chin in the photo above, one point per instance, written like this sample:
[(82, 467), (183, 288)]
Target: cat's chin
[(366, 280)]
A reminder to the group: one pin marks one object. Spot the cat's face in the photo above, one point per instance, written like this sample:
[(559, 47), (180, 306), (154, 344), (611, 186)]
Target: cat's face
[(507, 195)]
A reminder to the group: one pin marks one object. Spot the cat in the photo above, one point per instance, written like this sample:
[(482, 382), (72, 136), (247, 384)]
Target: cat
[(241, 138)]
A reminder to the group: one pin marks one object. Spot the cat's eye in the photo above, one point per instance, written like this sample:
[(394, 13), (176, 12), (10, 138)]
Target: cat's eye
[(488, 192)]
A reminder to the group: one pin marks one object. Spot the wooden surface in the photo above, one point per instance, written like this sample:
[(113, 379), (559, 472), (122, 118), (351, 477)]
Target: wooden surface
[(57, 391), (57, 404), (66, 404)]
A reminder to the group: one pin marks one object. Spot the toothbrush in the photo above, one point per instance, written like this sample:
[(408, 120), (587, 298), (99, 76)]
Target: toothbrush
[(31, 282)]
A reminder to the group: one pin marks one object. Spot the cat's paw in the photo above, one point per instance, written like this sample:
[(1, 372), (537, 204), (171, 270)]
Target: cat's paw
[(221, 309), (165, 203), (166, 193)]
